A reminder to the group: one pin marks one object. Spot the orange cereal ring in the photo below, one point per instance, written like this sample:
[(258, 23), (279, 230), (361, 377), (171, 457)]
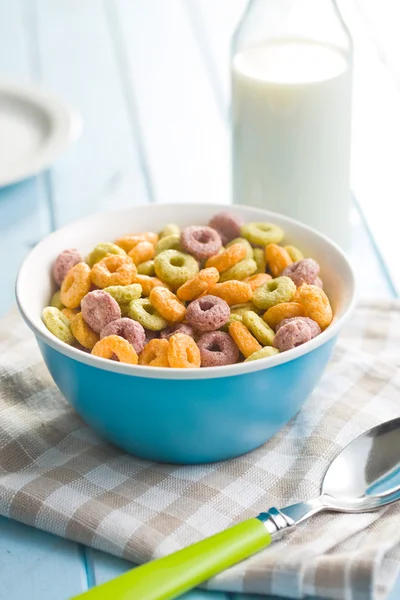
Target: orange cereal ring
[(148, 283), (83, 333), (246, 342), (285, 310), (113, 270), (155, 353), (114, 344), (316, 304), (199, 284), (76, 285), (142, 252), (70, 313), (277, 259), (127, 242), (167, 304), (232, 291), (256, 280), (228, 258), (183, 352)]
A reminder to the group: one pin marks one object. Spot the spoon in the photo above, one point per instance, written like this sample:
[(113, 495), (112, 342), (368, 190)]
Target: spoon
[(363, 477)]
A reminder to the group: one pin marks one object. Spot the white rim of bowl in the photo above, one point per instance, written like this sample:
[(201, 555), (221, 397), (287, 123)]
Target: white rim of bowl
[(195, 373), (67, 126)]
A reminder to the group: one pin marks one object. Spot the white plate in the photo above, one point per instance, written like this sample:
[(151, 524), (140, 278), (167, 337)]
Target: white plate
[(35, 127)]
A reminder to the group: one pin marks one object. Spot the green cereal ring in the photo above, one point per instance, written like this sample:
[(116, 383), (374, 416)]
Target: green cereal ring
[(245, 243), (175, 267), (262, 233), (294, 253), (259, 257), (281, 289), (240, 271), (124, 310), (103, 250), (259, 328), (58, 324), (170, 229), (55, 301), (124, 294), (169, 242), (143, 311), (146, 268), (263, 353), (237, 312)]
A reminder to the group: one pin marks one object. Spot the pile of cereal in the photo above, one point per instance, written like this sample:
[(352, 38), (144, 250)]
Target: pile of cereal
[(205, 296)]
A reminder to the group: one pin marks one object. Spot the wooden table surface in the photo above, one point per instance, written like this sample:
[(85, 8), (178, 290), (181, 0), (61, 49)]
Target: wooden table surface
[(151, 79)]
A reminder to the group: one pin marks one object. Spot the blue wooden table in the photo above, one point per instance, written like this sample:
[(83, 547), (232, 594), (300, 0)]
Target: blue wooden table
[(151, 79)]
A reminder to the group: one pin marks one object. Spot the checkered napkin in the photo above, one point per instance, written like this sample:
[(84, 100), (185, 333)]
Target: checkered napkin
[(57, 475)]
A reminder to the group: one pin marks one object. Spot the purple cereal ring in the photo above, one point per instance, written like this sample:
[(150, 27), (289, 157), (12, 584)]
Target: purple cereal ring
[(291, 335), (217, 349), (303, 271), (128, 329), (200, 242), (227, 225), (177, 328), (208, 313), (98, 309), (150, 335), (64, 262), (314, 327)]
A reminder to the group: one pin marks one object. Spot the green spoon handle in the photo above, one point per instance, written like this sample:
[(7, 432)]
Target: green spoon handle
[(171, 576)]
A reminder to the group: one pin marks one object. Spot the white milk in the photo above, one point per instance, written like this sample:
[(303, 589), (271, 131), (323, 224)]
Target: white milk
[(291, 132)]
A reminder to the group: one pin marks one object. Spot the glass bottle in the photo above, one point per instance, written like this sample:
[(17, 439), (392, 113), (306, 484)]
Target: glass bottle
[(291, 112)]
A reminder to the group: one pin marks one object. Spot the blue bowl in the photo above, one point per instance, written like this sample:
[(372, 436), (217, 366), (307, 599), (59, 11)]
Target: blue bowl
[(183, 416)]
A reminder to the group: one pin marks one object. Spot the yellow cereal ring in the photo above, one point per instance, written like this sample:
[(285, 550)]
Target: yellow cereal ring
[(83, 333), (183, 352), (245, 243), (227, 258), (57, 324), (114, 344), (124, 294), (56, 300), (285, 310), (259, 257), (233, 292), (244, 268), (262, 234), (142, 252), (246, 343), (146, 268), (316, 304), (169, 242), (155, 354), (199, 284), (170, 229), (175, 267), (281, 289), (70, 313), (258, 279), (295, 254), (263, 353), (148, 283), (113, 270), (259, 328), (167, 304), (127, 242), (277, 259), (103, 250), (146, 314), (76, 285)]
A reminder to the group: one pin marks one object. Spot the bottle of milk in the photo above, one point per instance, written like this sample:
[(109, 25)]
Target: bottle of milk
[(291, 111)]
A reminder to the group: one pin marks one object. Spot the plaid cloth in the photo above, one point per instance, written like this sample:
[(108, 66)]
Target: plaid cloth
[(57, 475)]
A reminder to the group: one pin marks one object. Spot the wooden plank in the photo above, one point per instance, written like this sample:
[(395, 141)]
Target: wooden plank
[(24, 214), (78, 60), (37, 565), (185, 141)]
